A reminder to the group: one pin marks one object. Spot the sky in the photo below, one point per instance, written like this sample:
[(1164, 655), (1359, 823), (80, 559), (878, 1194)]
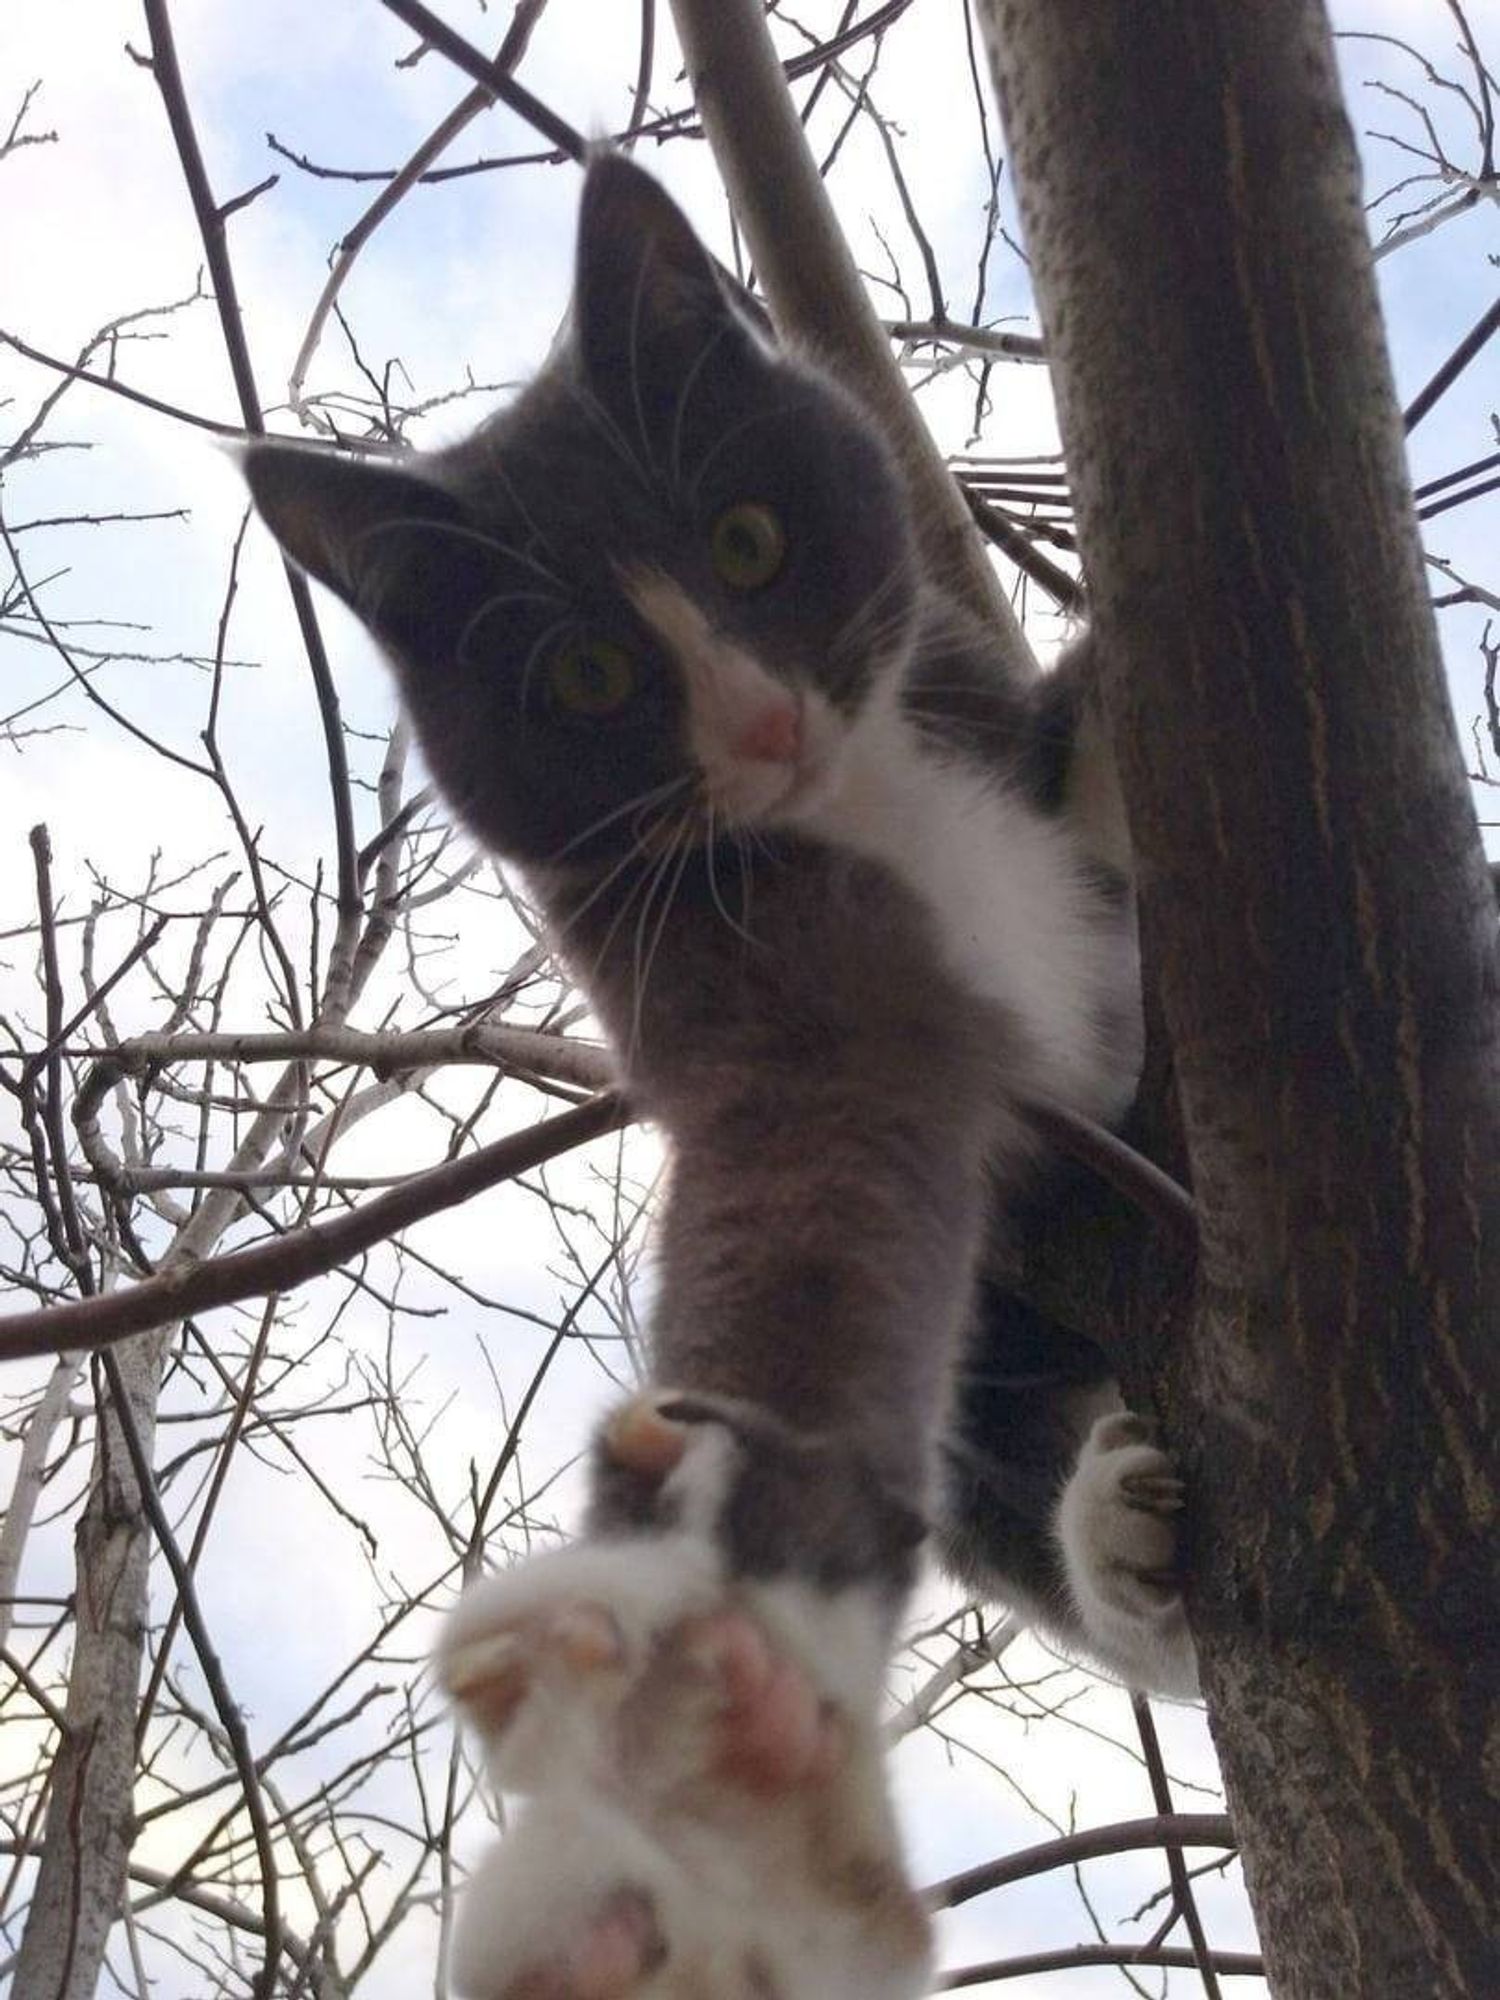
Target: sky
[(469, 281)]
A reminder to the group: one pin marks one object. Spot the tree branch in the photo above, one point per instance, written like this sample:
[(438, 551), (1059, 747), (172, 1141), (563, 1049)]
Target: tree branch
[(810, 279), (279, 1266), (1124, 1837)]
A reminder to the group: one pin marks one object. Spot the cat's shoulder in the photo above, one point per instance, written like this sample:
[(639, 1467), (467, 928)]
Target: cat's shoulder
[(966, 696)]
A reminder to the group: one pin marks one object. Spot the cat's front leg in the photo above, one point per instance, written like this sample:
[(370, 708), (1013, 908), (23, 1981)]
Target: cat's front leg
[(693, 1725), (1117, 1526)]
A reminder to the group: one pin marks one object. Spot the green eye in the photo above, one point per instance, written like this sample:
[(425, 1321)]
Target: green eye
[(748, 545), (591, 677)]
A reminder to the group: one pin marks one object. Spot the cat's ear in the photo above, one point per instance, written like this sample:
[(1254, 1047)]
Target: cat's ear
[(386, 539), (651, 306)]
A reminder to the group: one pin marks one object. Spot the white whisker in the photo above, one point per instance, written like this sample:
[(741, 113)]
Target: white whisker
[(856, 629), (643, 881), (640, 803), (633, 350), (601, 421), (722, 443), (605, 882), (713, 881), (683, 849), (460, 531), (497, 471), (491, 604), (679, 849), (684, 395)]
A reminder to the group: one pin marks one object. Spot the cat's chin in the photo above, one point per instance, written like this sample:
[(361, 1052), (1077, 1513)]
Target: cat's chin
[(790, 806)]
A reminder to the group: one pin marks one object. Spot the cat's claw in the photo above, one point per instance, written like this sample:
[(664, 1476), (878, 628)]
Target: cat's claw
[(706, 1816), (1117, 1527)]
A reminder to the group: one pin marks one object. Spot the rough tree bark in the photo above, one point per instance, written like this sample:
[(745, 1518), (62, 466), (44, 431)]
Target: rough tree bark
[(1323, 939)]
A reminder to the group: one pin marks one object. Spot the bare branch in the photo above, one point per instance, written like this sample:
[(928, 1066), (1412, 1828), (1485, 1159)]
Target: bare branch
[(280, 1266), (811, 280)]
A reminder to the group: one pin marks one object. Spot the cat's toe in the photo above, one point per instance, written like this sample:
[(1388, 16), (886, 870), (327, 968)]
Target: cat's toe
[(569, 1907), (616, 1954), (540, 1659), (1119, 1429), (773, 1729), (1117, 1517), (490, 1674), (1152, 1491), (642, 1438), (619, 1948), (623, 1945)]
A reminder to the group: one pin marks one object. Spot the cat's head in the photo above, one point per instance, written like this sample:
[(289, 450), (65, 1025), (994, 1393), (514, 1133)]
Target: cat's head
[(673, 576)]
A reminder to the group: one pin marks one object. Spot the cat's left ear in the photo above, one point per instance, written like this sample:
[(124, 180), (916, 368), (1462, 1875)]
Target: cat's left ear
[(652, 309)]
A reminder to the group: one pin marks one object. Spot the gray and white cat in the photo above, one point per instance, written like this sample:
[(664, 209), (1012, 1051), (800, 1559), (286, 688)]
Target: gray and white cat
[(667, 644)]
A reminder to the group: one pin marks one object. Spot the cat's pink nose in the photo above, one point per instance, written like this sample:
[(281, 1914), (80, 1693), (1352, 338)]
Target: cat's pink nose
[(773, 736)]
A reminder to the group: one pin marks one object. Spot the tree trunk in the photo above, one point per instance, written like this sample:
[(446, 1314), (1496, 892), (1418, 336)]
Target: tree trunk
[(1322, 939), (90, 1822)]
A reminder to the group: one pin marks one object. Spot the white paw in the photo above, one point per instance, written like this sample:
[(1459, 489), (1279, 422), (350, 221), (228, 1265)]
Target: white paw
[(541, 1658), (1117, 1527), (706, 1810)]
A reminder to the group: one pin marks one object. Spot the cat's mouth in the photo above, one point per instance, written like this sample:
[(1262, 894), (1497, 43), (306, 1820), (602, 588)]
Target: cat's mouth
[(738, 802), (778, 772)]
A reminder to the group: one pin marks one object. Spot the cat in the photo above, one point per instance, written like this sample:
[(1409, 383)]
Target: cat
[(666, 641)]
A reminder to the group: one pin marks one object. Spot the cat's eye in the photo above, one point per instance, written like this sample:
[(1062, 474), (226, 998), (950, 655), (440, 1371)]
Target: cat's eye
[(591, 677), (748, 545)]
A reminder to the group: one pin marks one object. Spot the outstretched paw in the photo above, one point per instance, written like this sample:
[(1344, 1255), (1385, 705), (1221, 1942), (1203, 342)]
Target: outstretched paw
[(698, 1746), (1117, 1526)]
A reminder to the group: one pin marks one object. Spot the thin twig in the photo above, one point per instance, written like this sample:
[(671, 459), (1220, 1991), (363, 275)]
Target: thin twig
[(1126, 1836), (463, 55), (1236, 1964), (290, 1261), (164, 68), (1186, 1905), (512, 48), (1482, 331)]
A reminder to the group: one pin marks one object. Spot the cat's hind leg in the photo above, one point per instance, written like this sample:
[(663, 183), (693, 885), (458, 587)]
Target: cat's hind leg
[(697, 1746)]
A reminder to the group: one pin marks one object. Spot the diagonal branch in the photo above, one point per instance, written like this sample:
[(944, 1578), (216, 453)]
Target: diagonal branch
[(1124, 1837), (811, 281), (511, 50), (210, 215), (289, 1261), (491, 77)]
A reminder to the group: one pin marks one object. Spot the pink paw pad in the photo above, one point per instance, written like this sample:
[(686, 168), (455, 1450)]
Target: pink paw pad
[(775, 1731), (621, 1947)]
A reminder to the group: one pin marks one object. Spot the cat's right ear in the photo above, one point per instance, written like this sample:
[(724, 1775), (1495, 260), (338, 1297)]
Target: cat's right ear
[(650, 303), (383, 538)]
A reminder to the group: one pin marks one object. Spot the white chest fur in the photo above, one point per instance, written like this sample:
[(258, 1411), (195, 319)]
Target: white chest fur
[(1019, 917)]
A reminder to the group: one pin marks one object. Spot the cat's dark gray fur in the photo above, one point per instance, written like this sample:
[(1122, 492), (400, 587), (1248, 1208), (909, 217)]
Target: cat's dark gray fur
[(843, 1109)]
